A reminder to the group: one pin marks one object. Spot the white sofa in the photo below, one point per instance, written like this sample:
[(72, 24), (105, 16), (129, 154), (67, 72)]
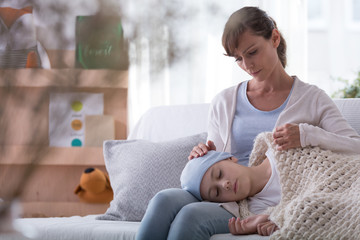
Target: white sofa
[(158, 124)]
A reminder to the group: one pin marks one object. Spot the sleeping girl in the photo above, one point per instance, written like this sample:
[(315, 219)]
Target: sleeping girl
[(217, 177), (294, 193)]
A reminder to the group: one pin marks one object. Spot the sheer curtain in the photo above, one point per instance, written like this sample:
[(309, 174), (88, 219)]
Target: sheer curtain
[(177, 56)]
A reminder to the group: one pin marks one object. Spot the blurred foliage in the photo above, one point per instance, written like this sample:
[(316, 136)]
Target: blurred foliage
[(351, 89)]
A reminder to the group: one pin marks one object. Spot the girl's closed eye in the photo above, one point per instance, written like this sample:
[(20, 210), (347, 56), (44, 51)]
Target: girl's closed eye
[(220, 174)]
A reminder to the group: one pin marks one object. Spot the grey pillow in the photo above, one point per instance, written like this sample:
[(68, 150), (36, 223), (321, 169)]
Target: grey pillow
[(138, 169)]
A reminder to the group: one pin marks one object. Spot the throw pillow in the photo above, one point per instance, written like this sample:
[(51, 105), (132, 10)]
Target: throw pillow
[(138, 169)]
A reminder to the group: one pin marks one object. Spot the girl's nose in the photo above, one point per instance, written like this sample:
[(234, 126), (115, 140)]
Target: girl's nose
[(226, 184)]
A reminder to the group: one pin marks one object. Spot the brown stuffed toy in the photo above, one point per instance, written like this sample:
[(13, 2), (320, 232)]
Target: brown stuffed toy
[(94, 187)]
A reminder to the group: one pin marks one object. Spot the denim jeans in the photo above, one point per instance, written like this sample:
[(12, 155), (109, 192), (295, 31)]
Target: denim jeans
[(175, 214)]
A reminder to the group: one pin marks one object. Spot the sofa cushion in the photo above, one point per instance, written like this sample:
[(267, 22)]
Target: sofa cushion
[(138, 169)]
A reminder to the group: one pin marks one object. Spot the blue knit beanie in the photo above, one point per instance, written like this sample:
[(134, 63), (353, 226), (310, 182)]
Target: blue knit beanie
[(195, 169)]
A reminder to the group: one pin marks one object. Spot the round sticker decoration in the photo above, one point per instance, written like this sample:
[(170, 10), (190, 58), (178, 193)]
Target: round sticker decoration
[(76, 143), (76, 124), (76, 106)]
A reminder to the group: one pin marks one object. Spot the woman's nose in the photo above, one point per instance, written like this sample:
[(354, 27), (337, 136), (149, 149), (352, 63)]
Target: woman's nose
[(247, 64)]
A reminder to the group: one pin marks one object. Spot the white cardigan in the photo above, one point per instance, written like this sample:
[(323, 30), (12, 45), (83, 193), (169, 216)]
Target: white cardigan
[(320, 121)]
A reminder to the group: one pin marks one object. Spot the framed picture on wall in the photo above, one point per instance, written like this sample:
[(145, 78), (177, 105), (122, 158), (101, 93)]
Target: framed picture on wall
[(100, 43)]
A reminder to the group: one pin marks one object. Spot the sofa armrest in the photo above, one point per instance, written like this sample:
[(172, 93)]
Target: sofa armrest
[(350, 109)]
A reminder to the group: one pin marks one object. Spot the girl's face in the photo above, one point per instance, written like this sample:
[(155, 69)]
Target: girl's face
[(225, 181), (258, 56)]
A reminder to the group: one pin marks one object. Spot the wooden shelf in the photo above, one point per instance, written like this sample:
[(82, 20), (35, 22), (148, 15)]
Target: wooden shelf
[(24, 128), (25, 91), (71, 77), (44, 155)]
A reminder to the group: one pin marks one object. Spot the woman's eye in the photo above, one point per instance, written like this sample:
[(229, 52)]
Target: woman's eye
[(220, 174), (238, 59), (253, 52)]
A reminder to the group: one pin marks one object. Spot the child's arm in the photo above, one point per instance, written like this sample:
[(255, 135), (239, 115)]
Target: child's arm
[(255, 224)]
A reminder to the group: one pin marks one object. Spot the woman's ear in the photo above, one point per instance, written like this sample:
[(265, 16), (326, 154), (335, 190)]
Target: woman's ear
[(275, 38)]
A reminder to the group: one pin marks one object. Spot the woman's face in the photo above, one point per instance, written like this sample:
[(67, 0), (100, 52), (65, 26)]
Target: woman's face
[(257, 55), (225, 181)]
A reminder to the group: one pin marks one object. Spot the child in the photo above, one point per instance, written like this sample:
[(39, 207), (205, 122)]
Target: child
[(217, 177), (320, 190)]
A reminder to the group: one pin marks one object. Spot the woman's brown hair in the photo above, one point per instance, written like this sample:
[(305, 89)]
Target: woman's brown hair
[(255, 20)]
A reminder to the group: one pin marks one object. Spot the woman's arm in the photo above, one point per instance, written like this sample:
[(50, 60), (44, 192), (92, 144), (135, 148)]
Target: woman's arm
[(316, 136), (333, 132), (214, 138), (316, 121), (214, 128), (219, 122)]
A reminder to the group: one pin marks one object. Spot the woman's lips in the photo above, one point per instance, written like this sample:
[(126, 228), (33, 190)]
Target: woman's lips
[(255, 73)]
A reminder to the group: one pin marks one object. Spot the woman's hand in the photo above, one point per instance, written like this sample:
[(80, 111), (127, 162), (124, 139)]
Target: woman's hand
[(287, 136), (255, 224), (201, 149)]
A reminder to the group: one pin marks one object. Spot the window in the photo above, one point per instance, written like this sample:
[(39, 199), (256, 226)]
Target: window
[(317, 14), (333, 51), (352, 14)]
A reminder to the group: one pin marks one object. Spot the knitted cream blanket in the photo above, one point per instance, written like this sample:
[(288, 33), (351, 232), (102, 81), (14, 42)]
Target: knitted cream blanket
[(320, 192)]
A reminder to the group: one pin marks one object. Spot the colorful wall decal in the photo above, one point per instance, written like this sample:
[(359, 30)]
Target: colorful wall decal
[(67, 113)]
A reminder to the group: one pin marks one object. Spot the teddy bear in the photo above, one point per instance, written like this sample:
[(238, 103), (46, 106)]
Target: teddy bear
[(94, 187)]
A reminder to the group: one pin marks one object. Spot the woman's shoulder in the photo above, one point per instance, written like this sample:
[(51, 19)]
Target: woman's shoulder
[(302, 89), (226, 95), (224, 101), (308, 94)]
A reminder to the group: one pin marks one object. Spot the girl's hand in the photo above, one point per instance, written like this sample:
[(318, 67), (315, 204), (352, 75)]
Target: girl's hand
[(287, 136), (201, 149), (266, 228), (246, 226)]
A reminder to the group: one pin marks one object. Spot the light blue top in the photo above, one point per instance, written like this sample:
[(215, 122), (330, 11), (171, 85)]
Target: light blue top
[(248, 123)]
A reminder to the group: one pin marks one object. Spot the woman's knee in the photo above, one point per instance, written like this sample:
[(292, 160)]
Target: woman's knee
[(199, 221), (189, 213)]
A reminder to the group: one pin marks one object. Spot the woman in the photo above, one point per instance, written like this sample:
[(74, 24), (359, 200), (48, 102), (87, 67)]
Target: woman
[(299, 115)]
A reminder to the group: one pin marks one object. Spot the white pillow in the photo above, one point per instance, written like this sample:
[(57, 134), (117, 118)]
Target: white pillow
[(138, 169)]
